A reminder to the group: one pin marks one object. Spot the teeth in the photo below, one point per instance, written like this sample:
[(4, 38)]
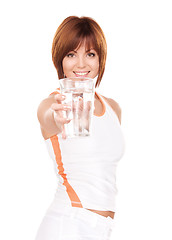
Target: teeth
[(81, 74)]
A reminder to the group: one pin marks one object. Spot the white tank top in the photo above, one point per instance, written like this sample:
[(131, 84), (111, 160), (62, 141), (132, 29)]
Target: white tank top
[(86, 166)]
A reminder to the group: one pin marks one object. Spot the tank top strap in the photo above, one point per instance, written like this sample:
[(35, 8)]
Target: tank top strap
[(55, 92), (107, 107)]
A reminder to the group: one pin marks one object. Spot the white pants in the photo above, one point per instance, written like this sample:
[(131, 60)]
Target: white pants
[(72, 223)]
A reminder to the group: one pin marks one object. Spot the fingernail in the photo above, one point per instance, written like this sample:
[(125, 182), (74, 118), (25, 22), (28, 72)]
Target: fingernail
[(63, 97), (67, 107)]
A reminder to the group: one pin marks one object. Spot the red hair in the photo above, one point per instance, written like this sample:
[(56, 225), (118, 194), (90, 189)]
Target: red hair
[(70, 35)]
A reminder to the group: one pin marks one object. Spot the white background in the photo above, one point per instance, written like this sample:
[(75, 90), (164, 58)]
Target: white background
[(138, 75)]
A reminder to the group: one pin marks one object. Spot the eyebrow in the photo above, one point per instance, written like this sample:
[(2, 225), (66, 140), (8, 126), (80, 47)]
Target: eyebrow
[(86, 51), (90, 49)]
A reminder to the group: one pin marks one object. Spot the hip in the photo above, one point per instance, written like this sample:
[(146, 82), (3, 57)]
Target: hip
[(67, 222)]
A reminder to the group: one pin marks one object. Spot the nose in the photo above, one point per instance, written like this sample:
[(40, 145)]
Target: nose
[(81, 62)]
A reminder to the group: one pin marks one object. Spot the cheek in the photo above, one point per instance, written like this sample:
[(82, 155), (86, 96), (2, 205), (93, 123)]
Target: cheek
[(96, 65), (67, 65), (64, 65)]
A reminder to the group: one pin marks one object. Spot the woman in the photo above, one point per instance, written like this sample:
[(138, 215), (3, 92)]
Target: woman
[(84, 203)]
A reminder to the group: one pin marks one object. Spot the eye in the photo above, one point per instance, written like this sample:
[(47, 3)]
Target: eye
[(91, 54), (70, 55)]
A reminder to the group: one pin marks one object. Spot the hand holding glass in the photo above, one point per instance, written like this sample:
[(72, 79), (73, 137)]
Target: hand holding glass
[(79, 94)]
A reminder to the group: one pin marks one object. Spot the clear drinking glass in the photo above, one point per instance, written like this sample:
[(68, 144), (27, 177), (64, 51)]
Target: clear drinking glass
[(79, 92)]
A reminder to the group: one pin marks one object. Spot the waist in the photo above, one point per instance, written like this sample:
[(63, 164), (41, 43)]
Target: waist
[(103, 213)]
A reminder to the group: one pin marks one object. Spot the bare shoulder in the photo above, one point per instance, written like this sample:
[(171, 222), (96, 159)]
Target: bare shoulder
[(115, 106)]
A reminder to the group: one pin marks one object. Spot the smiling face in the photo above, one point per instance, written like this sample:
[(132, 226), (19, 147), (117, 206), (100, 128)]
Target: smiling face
[(81, 62), (69, 55)]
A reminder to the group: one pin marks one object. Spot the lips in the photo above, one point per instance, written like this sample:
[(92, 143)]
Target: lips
[(81, 74)]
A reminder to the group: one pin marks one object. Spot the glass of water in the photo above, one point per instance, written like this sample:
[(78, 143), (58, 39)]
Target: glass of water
[(79, 92)]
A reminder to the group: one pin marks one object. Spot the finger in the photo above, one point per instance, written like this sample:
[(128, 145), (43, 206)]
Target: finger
[(64, 113), (78, 105), (59, 97), (63, 132), (89, 105), (57, 107), (61, 120)]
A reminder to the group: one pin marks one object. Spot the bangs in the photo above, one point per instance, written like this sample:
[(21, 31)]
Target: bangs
[(90, 42), (75, 40)]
